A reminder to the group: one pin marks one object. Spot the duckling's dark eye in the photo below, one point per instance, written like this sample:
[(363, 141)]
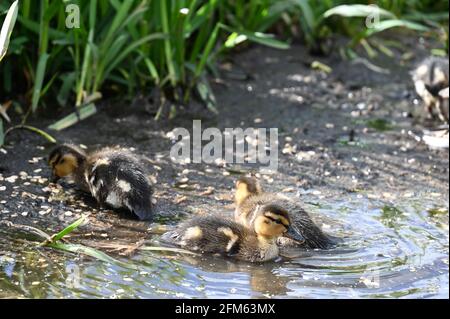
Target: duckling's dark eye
[(62, 161), (278, 222)]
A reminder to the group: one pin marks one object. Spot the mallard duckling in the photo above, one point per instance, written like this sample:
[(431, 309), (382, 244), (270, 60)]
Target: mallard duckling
[(249, 196), (225, 237), (430, 78), (113, 176)]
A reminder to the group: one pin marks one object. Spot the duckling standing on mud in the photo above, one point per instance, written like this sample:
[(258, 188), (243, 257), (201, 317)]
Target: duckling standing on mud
[(431, 78), (227, 238), (249, 196), (113, 176)]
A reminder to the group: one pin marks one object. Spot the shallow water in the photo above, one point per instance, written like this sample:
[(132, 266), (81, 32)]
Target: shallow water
[(391, 249)]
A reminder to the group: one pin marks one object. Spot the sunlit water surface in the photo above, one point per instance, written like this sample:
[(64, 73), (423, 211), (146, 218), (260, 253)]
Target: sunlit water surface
[(389, 251)]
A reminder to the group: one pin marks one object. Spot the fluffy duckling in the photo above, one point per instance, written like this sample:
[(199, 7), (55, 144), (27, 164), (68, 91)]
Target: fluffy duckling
[(249, 196), (113, 176), (431, 78), (227, 238)]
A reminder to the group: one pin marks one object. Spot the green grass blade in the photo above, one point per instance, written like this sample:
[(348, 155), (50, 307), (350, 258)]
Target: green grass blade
[(308, 13), (91, 252), (206, 53), (121, 14), (69, 228), (40, 73), (167, 43), (261, 38), (7, 28), (54, 242), (45, 135), (53, 34), (84, 69), (49, 84), (66, 88), (71, 119), (152, 70), (317, 65), (130, 48), (234, 39), (359, 10), (92, 14), (117, 46), (388, 24), (43, 28), (203, 14)]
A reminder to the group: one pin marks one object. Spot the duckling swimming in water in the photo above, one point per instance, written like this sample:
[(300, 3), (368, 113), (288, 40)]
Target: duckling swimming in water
[(113, 176), (225, 237), (249, 196), (431, 78)]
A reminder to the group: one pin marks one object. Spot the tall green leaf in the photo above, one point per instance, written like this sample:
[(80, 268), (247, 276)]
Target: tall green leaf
[(388, 24), (40, 74), (359, 10), (7, 28)]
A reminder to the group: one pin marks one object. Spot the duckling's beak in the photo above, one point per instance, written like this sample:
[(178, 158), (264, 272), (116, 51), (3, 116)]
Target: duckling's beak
[(294, 234)]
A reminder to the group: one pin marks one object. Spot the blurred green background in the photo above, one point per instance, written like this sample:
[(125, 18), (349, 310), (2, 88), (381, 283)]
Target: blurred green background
[(124, 47)]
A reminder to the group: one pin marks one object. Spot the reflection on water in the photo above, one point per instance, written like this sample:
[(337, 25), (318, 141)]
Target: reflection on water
[(390, 251)]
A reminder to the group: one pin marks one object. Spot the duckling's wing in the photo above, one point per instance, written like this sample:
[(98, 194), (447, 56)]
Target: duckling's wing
[(208, 234), (98, 181), (118, 180), (138, 197)]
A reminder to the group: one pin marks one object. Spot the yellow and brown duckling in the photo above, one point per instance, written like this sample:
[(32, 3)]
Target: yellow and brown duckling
[(431, 79), (215, 235), (115, 177), (249, 196)]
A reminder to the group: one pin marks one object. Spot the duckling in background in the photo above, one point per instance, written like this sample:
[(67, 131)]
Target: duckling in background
[(115, 177), (215, 235), (431, 78), (444, 96), (249, 196)]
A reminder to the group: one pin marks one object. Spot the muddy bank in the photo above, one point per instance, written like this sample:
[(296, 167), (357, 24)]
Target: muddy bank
[(350, 131)]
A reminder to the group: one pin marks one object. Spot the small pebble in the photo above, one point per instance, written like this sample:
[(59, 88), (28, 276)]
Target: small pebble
[(34, 160), (12, 179)]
